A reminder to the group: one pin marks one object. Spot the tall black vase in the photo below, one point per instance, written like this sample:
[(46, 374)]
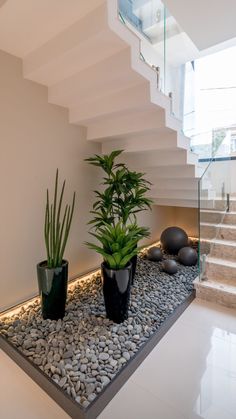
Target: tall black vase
[(116, 291), (52, 284), (133, 262)]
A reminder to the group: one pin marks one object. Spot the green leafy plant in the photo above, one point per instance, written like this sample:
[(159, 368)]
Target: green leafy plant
[(118, 243), (124, 194), (57, 227)]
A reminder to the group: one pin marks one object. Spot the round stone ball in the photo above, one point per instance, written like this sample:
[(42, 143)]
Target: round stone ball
[(170, 266), (154, 254), (187, 256), (173, 239)]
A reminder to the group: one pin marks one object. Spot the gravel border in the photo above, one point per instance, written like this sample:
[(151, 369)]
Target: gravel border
[(85, 351)]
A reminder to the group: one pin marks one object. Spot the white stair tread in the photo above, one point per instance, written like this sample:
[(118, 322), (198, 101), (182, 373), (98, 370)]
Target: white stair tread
[(180, 202), (216, 285), (221, 242), (221, 262), (220, 225), (215, 211)]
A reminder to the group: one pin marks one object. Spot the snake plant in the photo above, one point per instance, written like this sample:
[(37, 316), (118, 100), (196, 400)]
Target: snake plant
[(57, 226)]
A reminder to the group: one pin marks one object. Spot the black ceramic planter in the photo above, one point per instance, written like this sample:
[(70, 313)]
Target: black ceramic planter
[(133, 267), (52, 284), (116, 291)]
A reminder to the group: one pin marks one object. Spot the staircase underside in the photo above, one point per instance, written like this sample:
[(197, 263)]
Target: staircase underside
[(90, 63)]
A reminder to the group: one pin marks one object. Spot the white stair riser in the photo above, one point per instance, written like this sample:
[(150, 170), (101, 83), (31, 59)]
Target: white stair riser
[(226, 252), (222, 273), (170, 202), (136, 97), (155, 159), (176, 172), (126, 124), (211, 217), (217, 217), (229, 219), (96, 81), (179, 184), (152, 141), (216, 296), (175, 194), (222, 233)]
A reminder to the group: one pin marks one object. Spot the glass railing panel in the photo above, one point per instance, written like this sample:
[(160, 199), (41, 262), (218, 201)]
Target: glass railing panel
[(176, 55), (215, 189), (213, 143), (163, 46), (146, 18), (189, 99)]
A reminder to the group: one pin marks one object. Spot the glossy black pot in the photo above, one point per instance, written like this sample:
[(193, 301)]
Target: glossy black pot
[(52, 284), (133, 262), (116, 291)]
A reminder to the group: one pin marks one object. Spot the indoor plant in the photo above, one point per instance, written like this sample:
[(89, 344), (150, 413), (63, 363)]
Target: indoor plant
[(124, 195), (118, 244), (53, 272)]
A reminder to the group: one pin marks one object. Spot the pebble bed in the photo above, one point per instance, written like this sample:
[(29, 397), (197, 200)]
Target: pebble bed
[(83, 352)]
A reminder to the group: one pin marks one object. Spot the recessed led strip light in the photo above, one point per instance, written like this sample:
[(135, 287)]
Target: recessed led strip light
[(81, 280)]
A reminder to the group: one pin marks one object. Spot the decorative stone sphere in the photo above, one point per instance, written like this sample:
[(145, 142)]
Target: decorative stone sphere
[(173, 239), (170, 266), (154, 254), (187, 256)]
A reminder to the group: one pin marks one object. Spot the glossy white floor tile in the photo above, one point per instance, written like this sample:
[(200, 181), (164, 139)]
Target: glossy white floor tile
[(192, 370), (21, 398), (135, 402), (191, 374)]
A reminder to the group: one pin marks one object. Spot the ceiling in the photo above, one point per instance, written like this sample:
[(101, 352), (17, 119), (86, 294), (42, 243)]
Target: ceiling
[(207, 22)]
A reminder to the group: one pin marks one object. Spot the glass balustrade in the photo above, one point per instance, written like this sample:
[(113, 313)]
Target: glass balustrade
[(167, 49), (209, 143), (215, 188), (164, 46)]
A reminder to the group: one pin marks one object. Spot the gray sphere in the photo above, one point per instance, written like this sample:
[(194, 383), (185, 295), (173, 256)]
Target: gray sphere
[(173, 239), (154, 254), (187, 256), (170, 266)]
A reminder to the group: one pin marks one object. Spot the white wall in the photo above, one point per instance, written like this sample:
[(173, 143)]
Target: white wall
[(36, 139), (187, 218)]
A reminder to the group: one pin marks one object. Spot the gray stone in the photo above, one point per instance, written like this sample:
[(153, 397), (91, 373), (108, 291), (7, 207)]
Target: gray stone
[(57, 357), (68, 354), (90, 388), (105, 380), (83, 368), (84, 361), (103, 356), (62, 381), (91, 397), (77, 387), (126, 355), (113, 362)]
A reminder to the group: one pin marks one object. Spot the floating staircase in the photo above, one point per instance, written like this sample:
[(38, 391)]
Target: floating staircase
[(91, 65), (218, 237)]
